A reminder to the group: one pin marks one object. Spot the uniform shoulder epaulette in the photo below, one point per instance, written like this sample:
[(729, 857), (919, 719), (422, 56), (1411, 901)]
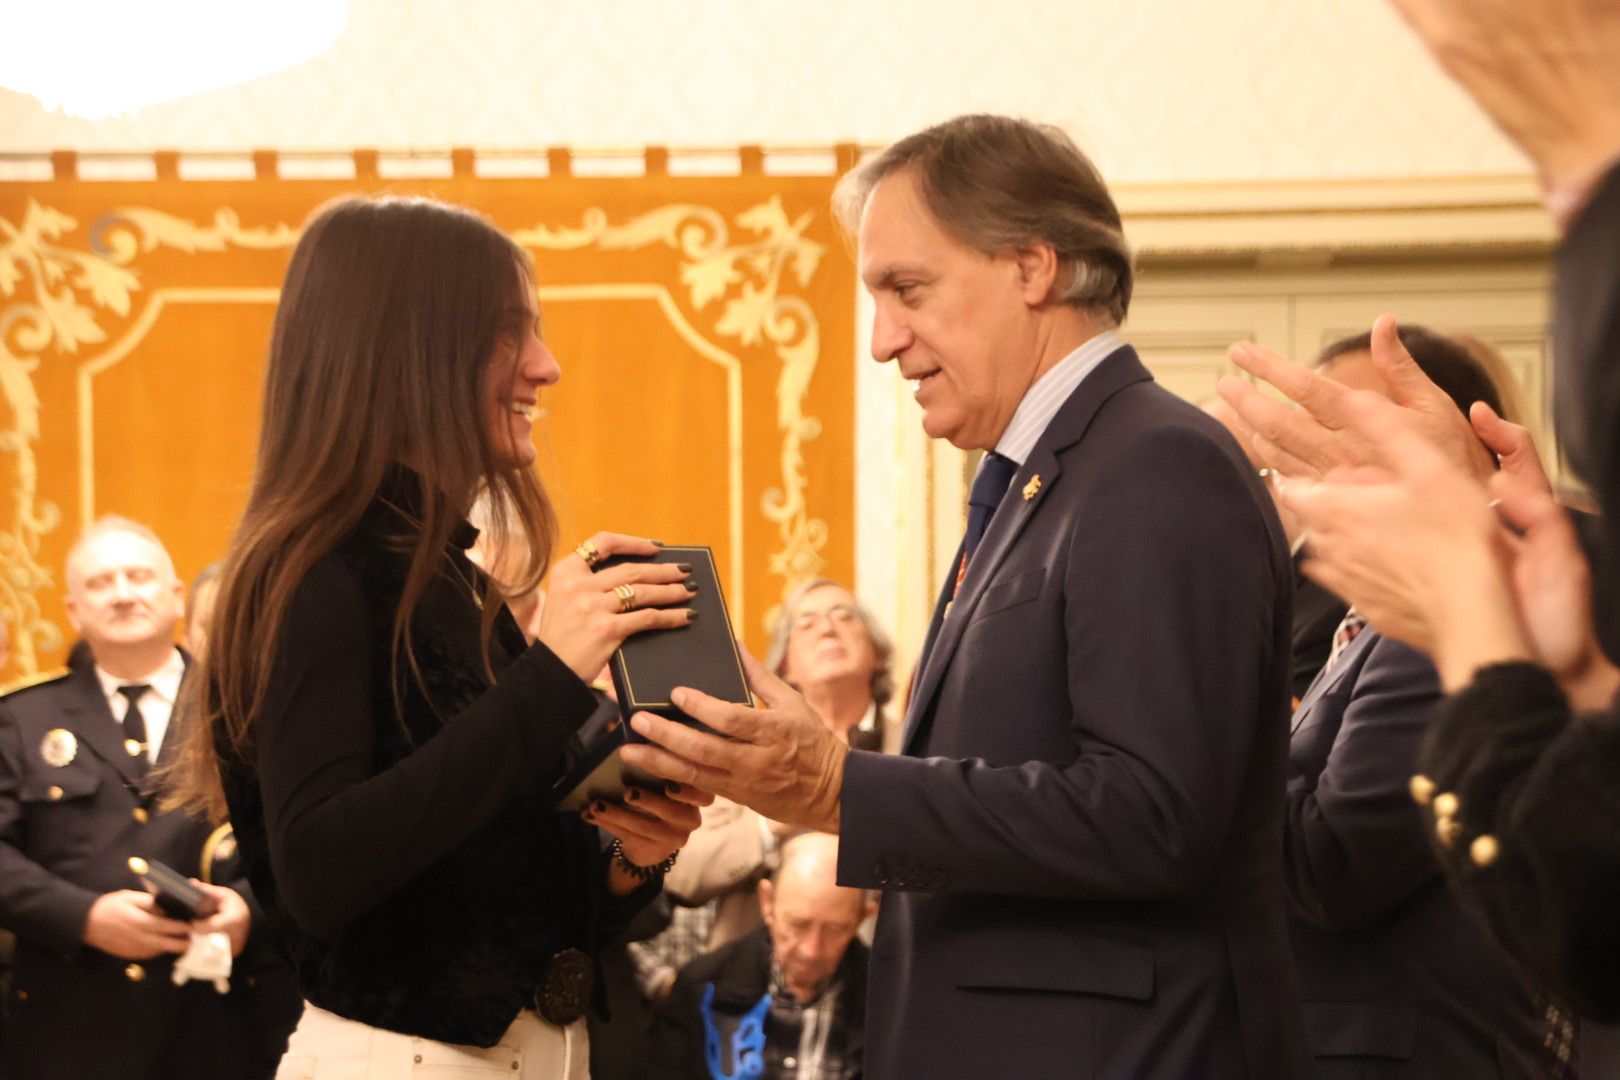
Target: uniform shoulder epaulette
[(39, 678)]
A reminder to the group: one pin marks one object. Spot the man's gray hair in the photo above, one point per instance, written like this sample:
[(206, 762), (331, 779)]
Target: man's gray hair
[(113, 523), (994, 182)]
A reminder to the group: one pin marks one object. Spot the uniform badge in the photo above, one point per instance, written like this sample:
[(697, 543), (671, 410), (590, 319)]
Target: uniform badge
[(59, 747), (1032, 488)]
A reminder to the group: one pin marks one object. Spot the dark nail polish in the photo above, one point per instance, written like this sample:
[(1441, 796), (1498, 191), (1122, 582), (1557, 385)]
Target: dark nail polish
[(672, 787), (632, 795), (685, 567), (691, 586), (597, 808), (657, 543), (691, 616)]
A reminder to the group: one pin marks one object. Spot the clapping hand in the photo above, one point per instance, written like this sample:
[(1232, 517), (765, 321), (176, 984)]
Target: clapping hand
[(1324, 434), (1547, 72), (1415, 545), (1553, 589)]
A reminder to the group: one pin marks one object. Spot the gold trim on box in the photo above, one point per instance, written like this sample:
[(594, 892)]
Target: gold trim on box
[(618, 655)]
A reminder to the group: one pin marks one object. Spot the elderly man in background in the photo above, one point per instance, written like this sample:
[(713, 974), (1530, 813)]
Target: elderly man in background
[(92, 995), (790, 996)]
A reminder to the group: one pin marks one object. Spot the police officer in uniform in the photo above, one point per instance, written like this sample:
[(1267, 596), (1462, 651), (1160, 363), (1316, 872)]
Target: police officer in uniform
[(92, 993)]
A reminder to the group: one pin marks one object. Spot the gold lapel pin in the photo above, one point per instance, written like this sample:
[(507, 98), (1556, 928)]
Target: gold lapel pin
[(1032, 488), (59, 747)]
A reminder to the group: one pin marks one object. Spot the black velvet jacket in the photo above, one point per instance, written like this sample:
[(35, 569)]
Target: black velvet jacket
[(1541, 781), (407, 858)]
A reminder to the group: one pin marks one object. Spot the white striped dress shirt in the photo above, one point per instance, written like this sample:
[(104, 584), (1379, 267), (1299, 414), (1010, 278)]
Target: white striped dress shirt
[(1042, 401)]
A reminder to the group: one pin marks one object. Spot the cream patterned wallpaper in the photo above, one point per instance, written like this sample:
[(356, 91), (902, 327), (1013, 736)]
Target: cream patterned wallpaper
[(1158, 90)]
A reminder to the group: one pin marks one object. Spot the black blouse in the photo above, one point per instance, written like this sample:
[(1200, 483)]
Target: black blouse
[(407, 858)]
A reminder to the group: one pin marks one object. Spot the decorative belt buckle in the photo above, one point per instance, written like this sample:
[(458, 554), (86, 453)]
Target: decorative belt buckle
[(565, 992)]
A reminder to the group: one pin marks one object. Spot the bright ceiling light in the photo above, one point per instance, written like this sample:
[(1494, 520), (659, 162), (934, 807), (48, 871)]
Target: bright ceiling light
[(101, 58)]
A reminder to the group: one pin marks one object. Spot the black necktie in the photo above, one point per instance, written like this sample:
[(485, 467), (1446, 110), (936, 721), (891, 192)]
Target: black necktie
[(135, 724), (989, 487)]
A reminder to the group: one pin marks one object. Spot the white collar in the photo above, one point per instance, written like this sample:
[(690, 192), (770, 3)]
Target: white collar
[(164, 681), (1048, 393)]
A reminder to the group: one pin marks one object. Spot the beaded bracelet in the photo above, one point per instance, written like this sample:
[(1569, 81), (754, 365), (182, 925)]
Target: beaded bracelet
[(636, 870)]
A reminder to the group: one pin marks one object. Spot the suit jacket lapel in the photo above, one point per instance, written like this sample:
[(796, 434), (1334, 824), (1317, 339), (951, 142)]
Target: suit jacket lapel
[(173, 732), (1119, 369), (1330, 677), (86, 714), (1010, 519), (940, 606)]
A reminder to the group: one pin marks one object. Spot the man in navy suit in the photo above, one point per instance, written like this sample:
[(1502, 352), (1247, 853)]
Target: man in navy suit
[(1394, 974), (1080, 844)]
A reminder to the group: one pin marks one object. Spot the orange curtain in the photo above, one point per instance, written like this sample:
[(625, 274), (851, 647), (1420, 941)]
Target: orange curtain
[(705, 327)]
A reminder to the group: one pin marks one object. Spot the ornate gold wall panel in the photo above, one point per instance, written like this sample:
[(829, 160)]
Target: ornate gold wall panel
[(704, 327)]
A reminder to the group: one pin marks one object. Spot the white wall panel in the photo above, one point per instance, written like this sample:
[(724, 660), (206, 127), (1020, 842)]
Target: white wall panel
[(1157, 90)]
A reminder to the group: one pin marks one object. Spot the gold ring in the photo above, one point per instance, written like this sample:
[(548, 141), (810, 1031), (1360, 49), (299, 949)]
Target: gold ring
[(587, 551), (627, 598)]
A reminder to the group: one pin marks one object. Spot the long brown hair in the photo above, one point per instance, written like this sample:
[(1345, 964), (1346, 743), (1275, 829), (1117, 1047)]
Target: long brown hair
[(390, 314)]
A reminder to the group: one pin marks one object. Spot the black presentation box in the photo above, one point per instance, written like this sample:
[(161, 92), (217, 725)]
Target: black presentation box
[(646, 670)]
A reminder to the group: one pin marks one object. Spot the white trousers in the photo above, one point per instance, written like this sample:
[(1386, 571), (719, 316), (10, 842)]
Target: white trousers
[(327, 1047)]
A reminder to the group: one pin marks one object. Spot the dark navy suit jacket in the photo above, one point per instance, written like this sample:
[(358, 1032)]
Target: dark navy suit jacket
[(67, 831), (1081, 845), (1394, 974)]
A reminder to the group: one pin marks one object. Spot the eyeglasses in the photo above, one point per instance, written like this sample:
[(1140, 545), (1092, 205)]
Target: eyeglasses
[(837, 615)]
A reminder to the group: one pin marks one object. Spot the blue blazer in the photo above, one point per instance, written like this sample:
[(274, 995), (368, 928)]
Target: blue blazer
[(1394, 974), (1081, 845)]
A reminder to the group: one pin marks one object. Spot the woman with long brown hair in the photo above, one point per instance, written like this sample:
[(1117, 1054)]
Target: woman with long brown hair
[(370, 716)]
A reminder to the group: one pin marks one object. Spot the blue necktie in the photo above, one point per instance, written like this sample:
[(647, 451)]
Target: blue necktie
[(989, 487)]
